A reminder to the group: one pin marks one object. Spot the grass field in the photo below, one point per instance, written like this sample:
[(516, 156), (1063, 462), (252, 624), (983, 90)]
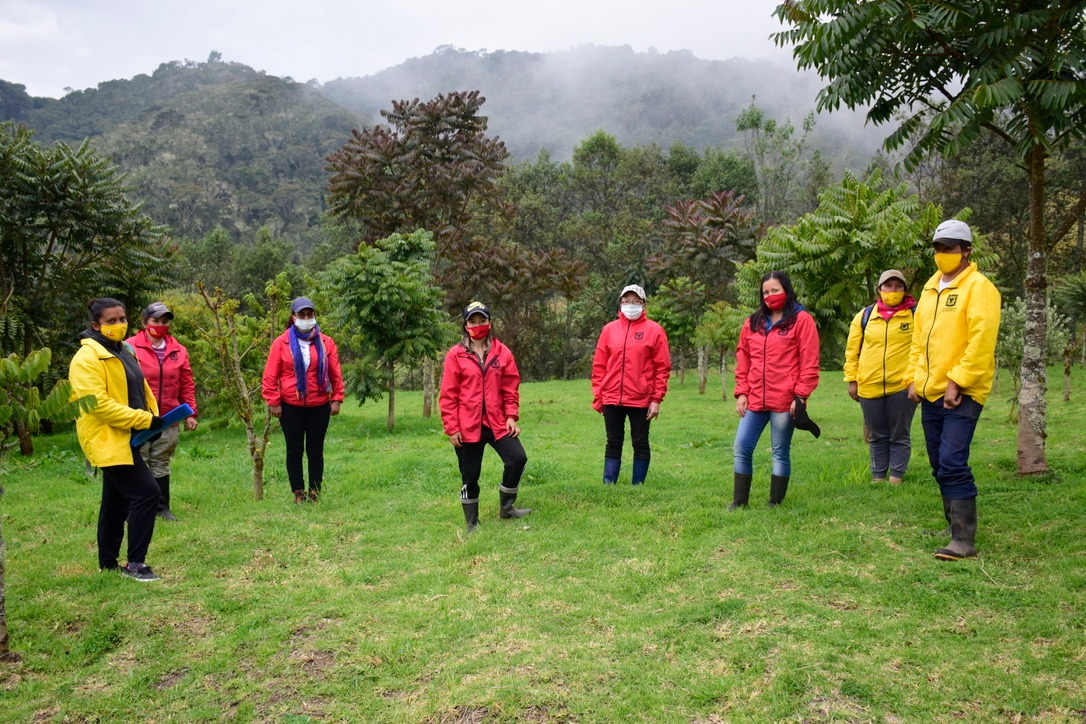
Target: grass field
[(607, 604)]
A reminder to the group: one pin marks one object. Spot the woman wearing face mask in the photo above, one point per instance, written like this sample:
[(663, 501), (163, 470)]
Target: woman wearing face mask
[(303, 386), (630, 372), (165, 364), (480, 406), (776, 365), (876, 365), (107, 368)]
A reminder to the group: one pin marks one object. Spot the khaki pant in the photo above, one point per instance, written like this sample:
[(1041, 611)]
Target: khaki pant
[(157, 454)]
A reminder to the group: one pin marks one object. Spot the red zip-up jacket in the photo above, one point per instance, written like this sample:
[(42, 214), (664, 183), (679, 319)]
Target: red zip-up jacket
[(476, 393), (171, 380), (774, 367), (280, 384), (632, 364)]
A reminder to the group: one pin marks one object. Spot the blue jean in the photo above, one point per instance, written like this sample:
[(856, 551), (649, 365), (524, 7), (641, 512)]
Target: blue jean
[(948, 434), (750, 429)]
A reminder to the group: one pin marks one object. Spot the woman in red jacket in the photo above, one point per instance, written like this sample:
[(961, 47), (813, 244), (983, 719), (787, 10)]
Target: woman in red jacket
[(303, 386), (630, 372), (165, 364), (776, 364), (480, 406)]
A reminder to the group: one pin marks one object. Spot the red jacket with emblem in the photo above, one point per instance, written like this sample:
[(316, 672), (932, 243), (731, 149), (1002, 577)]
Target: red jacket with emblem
[(632, 364), (775, 366), (170, 380), (280, 383), (478, 392)]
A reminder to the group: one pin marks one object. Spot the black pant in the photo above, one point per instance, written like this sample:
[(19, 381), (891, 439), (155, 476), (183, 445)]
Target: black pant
[(129, 492), (614, 421), (470, 457), (304, 429)]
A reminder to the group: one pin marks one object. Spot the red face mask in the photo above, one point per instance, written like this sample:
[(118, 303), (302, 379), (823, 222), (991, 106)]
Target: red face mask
[(479, 332), (158, 331), (775, 301)]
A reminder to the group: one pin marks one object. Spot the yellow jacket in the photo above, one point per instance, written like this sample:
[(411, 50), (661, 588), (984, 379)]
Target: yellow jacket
[(955, 336), (105, 433), (879, 368)]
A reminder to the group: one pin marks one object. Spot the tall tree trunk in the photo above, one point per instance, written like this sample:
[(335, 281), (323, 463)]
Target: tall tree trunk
[(1034, 377), (26, 442), (703, 369), (5, 644), (428, 368), (391, 421)]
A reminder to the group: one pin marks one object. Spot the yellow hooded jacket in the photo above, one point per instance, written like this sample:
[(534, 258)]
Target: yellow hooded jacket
[(955, 336), (879, 367), (105, 433)]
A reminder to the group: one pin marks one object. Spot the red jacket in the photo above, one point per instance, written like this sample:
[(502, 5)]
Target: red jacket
[(475, 393), (632, 364), (170, 380), (280, 384), (775, 368)]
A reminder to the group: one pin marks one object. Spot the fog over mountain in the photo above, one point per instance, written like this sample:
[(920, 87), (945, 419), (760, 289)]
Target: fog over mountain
[(554, 100)]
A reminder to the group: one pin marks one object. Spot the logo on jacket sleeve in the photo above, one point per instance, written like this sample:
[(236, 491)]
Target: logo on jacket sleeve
[(639, 336)]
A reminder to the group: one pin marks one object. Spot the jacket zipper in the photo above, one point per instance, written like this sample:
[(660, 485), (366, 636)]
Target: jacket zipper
[(885, 346), (622, 377)]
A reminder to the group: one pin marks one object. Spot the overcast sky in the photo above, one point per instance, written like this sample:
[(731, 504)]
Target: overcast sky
[(48, 45)]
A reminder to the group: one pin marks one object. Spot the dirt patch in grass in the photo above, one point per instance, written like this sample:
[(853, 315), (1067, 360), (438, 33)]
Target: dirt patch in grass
[(461, 715), (170, 679)]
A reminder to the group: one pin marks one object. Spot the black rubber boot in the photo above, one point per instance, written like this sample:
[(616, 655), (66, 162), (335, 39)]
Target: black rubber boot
[(471, 513), (164, 499), (740, 491), (963, 527), (946, 514), (611, 466), (507, 510), (778, 486)]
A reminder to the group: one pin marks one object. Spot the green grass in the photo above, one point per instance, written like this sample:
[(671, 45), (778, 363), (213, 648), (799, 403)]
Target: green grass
[(608, 603)]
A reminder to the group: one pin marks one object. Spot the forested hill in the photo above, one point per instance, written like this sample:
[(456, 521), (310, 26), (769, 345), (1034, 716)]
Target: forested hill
[(555, 100), (219, 143)]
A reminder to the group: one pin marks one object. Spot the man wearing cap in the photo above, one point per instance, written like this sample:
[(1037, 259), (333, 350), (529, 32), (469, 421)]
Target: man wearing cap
[(630, 372), (165, 364), (877, 358), (952, 368)]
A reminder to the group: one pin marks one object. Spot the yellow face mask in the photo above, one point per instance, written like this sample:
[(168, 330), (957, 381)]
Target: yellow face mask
[(114, 332), (947, 263), (891, 299)]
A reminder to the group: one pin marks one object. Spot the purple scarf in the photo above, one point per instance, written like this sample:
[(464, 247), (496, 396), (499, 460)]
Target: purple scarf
[(316, 346)]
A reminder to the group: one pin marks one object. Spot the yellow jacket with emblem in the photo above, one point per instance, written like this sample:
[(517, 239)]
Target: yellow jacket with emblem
[(955, 336), (105, 433), (880, 365)]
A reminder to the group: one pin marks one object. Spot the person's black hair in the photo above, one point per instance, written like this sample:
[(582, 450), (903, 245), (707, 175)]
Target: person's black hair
[(98, 306), (788, 312)]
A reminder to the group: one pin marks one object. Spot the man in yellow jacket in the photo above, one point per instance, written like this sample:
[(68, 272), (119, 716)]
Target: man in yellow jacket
[(952, 370)]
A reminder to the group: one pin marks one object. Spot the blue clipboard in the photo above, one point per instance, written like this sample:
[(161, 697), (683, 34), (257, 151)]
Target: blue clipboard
[(177, 414)]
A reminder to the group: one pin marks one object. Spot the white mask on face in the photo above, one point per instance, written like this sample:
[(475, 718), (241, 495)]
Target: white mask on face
[(304, 325), (631, 311)]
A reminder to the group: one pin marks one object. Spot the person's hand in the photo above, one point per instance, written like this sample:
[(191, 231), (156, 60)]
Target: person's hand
[(953, 395), (654, 411), (913, 397), (741, 405), (511, 427), (335, 407), (456, 440), (275, 410), (156, 421), (190, 423), (792, 407), (854, 390)]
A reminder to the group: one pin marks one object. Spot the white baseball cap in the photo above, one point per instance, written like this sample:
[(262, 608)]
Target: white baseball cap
[(635, 288), (953, 229)]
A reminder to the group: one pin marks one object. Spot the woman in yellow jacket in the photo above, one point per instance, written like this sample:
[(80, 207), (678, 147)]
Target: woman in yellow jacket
[(107, 368), (876, 368)]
